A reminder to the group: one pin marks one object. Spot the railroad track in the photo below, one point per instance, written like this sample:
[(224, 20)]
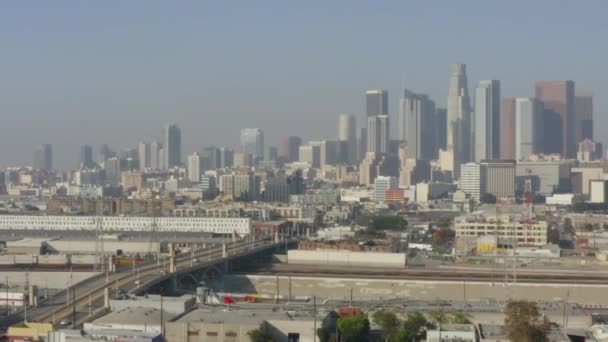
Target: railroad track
[(433, 275)]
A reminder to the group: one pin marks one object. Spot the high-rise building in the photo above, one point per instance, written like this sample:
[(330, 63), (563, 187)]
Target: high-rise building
[(226, 157), (211, 158), (473, 180), (362, 142), (311, 154), (347, 133), (143, 152), (378, 133), (376, 102), (487, 121), (43, 157), (242, 160), (507, 128), (441, 130), (458, 120), (529, 131), (86, 157), (172, 146), (252, 142), (383, 133), (368, 169), (105, 153), (111, 167), (195, 167), (290, 148), (557, 98), (271, 153), (500, 177), (417, 125), (155, 155), (381, 185), (583, 113)]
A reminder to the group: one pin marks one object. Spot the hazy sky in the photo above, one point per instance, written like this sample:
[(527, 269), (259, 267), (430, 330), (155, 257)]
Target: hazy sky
[(75, 72)]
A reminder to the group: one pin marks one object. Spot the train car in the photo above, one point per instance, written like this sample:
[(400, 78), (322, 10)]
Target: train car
[(127, 261)]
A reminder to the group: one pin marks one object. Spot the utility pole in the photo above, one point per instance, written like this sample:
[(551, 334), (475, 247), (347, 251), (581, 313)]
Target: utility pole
[(314, 315)]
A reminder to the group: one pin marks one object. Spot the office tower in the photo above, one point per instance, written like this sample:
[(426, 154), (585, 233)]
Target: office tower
[(378, 133), (209, 186), (240, 186), (507, 128), (111, 167), (327, 152), (226, 157), (271, 153), (290, 148), (242, 160), (583, 112), (368, 169), (195, 167), (381, 185), (105, 153), (417, 125), (161, 158), (441, 131), (347, 133), (529, 130), (383, 133), (487, 121), (86, 157), (43, 157), (373, 139), (473, 180), (252, 142), (155, 155), (376, 102), (557, 98), (211, 158), (311, 154), (500, 177), (362, 143), (458, 120), (172, 146), (143, 155)]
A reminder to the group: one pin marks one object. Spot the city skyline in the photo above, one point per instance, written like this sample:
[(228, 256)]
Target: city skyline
[(122, 99)]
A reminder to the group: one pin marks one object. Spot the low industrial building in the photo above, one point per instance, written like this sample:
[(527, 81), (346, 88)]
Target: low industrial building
[(238, 226), (226, 324), (522, 233), (346, 258), (452, 332)]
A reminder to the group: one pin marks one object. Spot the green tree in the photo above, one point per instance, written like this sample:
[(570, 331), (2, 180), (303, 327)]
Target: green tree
[(553, 235), (568, 227), (438, 316), (324, 335), (259, 335), (388, 322), (414, 328), (459, 317), (524, 323), (354, 328)]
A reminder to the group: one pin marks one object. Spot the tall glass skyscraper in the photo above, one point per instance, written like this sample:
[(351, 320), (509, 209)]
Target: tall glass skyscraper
[(172, 146)]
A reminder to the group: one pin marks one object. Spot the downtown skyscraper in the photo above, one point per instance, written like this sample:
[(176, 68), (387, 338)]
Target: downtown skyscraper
[(458, 120), (376, 102), (486, 132), (416, 125), (252, 142), (557, 98), (172, 146), (43, 157), (347, 137), (583, 112)]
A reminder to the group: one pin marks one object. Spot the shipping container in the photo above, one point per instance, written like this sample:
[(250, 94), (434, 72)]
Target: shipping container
[(27, 259), (7, 259), (83, 259), (59, 259)]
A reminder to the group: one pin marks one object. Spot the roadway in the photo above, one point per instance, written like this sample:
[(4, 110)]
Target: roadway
[(60, 307)]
